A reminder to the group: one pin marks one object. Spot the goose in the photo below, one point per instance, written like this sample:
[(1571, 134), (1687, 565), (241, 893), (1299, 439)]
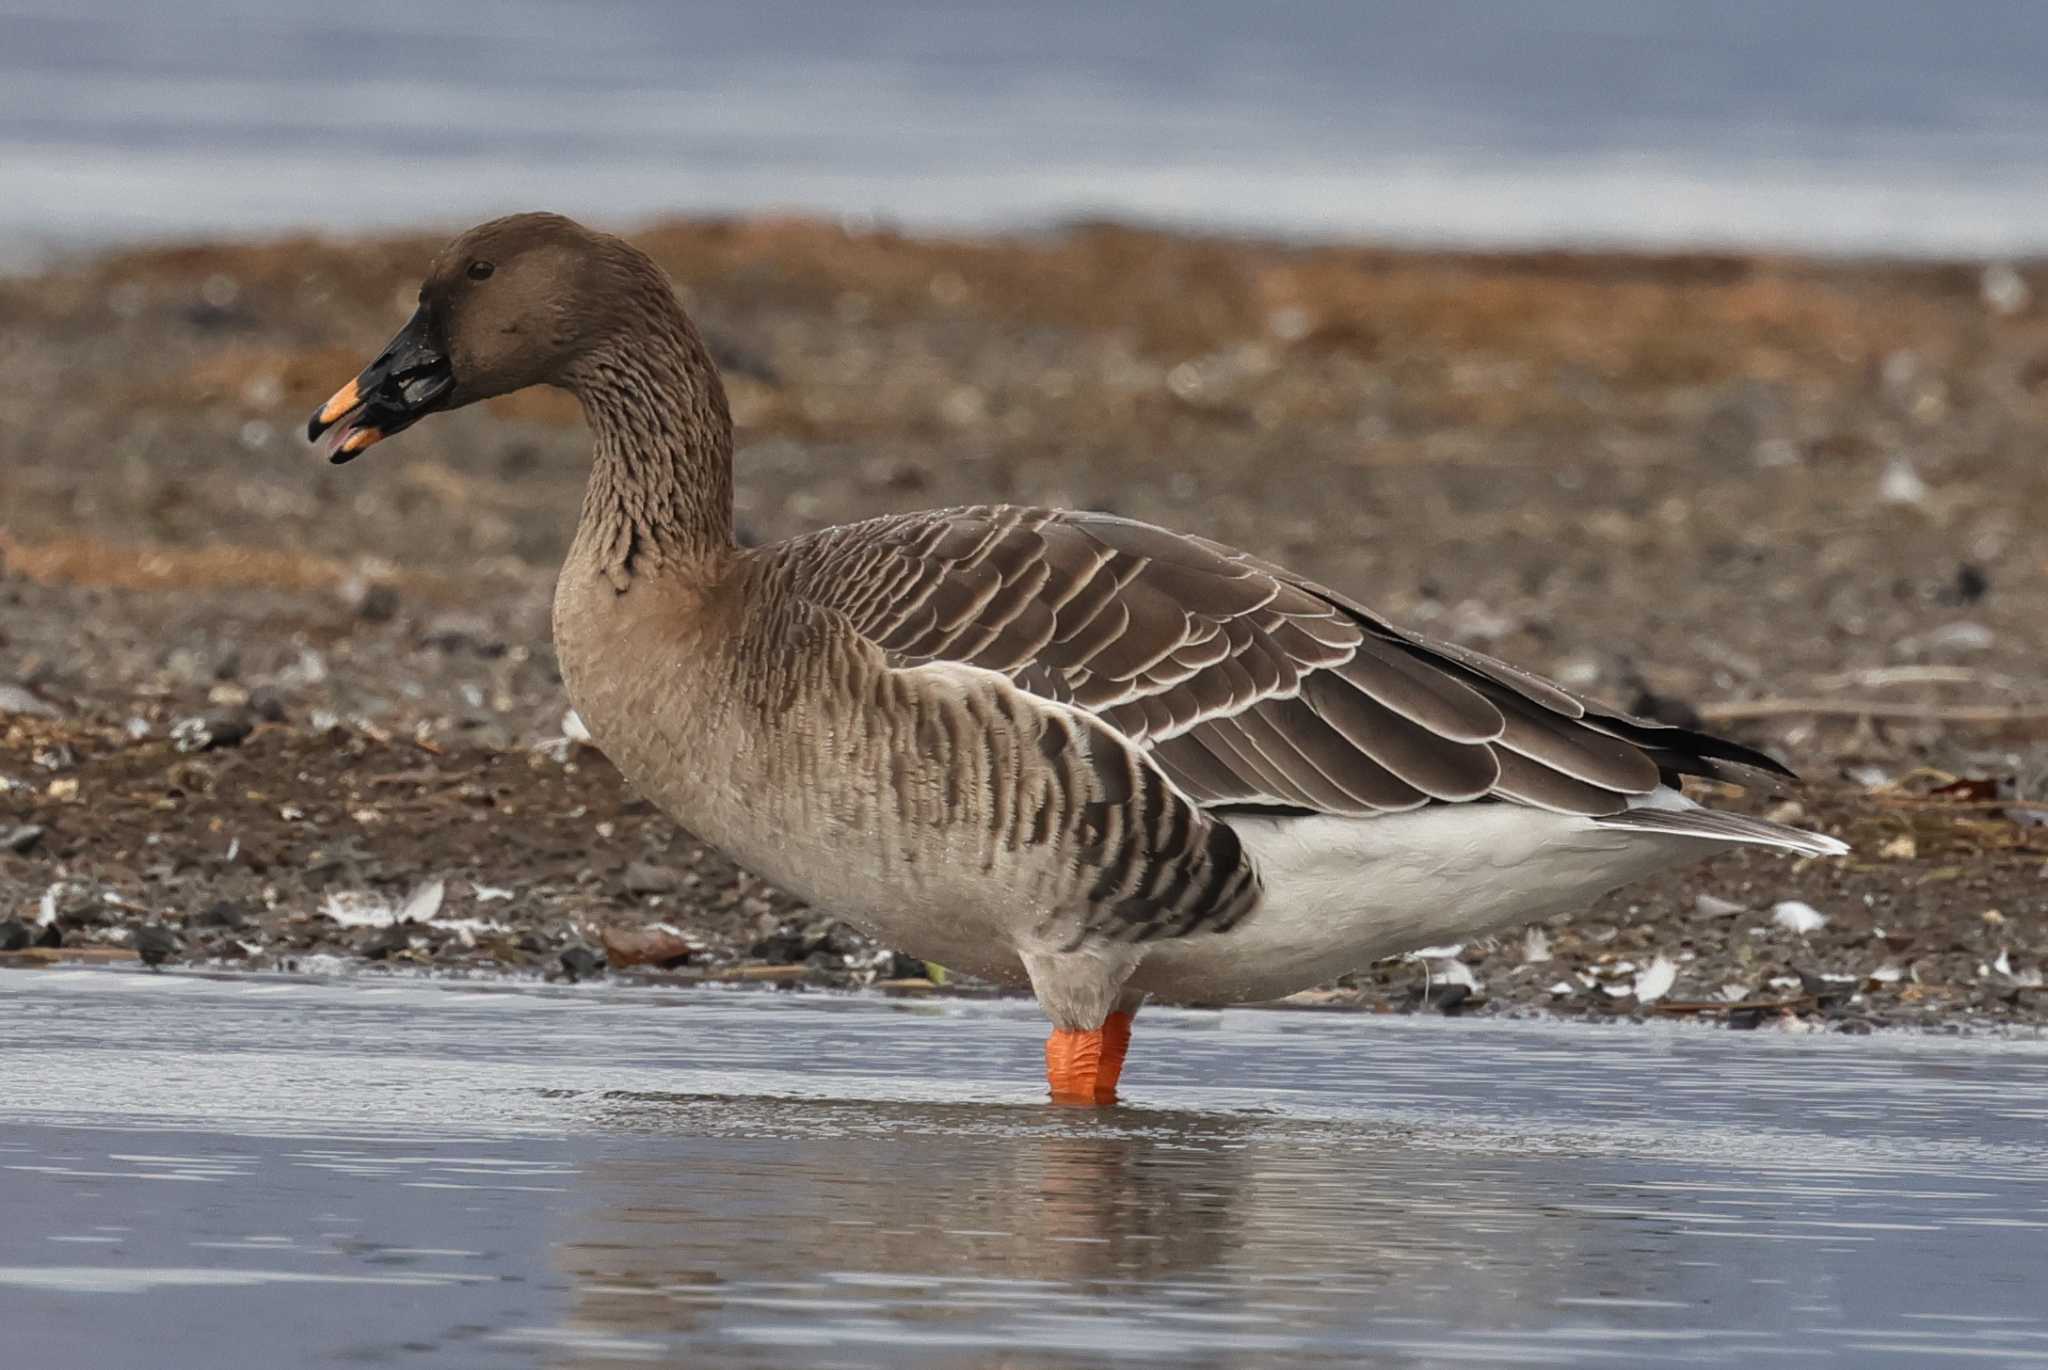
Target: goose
[(1053, 749)]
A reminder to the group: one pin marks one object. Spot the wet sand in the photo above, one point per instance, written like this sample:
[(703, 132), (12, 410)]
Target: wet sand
[(292, 716)]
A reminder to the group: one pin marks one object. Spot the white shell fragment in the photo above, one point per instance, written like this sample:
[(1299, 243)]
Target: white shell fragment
[(1654, 981), (1901, 484), (1451, 972), (1798, 917), (424, 902)]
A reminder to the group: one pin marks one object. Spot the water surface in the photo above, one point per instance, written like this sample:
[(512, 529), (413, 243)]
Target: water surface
[(410, 1174), (1836, 124)]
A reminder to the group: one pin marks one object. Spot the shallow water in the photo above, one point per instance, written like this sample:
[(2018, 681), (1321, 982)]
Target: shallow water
[(1831, 124), (195, 1171)]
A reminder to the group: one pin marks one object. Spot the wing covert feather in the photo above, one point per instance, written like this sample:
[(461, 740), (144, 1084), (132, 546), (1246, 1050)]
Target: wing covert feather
[(1243, 683)]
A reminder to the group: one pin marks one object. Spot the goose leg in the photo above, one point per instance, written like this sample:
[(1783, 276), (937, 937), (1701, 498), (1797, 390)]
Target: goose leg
[(1091, 1017)]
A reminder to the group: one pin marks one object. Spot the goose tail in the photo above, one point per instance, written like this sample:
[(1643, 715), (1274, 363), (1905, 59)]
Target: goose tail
[(1687, 819)]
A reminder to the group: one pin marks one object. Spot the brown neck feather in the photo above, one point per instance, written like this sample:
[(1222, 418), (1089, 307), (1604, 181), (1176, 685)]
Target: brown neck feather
[(660, 493)]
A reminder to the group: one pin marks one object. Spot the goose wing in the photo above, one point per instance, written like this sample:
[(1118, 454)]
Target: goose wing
[(1245, 684)]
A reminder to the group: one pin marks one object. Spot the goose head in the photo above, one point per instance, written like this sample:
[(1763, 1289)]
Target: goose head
[(515, 302)]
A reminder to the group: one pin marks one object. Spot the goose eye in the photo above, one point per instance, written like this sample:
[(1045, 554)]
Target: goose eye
[(480, 271)]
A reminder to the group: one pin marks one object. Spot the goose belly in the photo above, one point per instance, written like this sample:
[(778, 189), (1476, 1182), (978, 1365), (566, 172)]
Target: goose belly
[(940, 892), (1343, 892), (956, 913)]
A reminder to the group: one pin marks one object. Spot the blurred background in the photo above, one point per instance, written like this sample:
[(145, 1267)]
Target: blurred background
[(1830, 124), (1692, 354)]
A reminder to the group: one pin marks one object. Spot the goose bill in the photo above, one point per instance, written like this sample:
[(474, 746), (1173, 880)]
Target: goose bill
[(410, 379)]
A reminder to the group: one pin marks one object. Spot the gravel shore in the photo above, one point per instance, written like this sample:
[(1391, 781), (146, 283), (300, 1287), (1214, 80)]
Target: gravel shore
[(260, 712)]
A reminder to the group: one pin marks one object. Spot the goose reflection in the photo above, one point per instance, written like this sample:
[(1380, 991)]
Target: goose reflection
[(968, 1235)]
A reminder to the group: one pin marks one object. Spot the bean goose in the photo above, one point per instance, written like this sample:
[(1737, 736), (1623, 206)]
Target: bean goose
[(1045, 747)]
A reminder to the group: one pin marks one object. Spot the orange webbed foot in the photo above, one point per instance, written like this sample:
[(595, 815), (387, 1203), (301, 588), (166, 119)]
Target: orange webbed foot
[(1082, 1067)]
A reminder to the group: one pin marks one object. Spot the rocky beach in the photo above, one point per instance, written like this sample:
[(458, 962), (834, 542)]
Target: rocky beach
[(258, 713)]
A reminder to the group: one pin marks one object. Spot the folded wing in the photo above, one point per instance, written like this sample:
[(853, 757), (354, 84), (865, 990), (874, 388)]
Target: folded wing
[(1245, 684)]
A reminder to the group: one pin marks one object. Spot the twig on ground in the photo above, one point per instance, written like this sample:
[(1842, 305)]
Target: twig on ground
[(1735, 710)]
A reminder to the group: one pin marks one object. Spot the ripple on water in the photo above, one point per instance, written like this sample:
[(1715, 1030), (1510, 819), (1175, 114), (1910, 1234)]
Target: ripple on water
[(432, 1175)]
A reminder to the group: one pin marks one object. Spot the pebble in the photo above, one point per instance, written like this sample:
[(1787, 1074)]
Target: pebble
[(1796, 916), (1901, 484), (454, 631), (16, 700), (387, 942), (630, 946), (1667, 709), (645, 877), (211, 732), (154, 943), (21, 840), (373, 601), (822, 939), (1449, 1000), (2004, 290), (1950, 639), (581, 963), (221, 915)]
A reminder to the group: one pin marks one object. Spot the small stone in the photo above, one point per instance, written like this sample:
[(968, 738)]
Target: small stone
[(387, 942), (901, 967), (1449, 1000), (60, 756), (16, 700), (1901, 484), (373, 601), (2004, 291), (21, 840), (1665, 709), (452, 632), (15, 934), (629, 946), (211, 732), (1745, 1019), (1799, 917), (220, 915), (645, 877), (1950, 639), (581, 963), (266, 704), (1825, 993), (155, 944)]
